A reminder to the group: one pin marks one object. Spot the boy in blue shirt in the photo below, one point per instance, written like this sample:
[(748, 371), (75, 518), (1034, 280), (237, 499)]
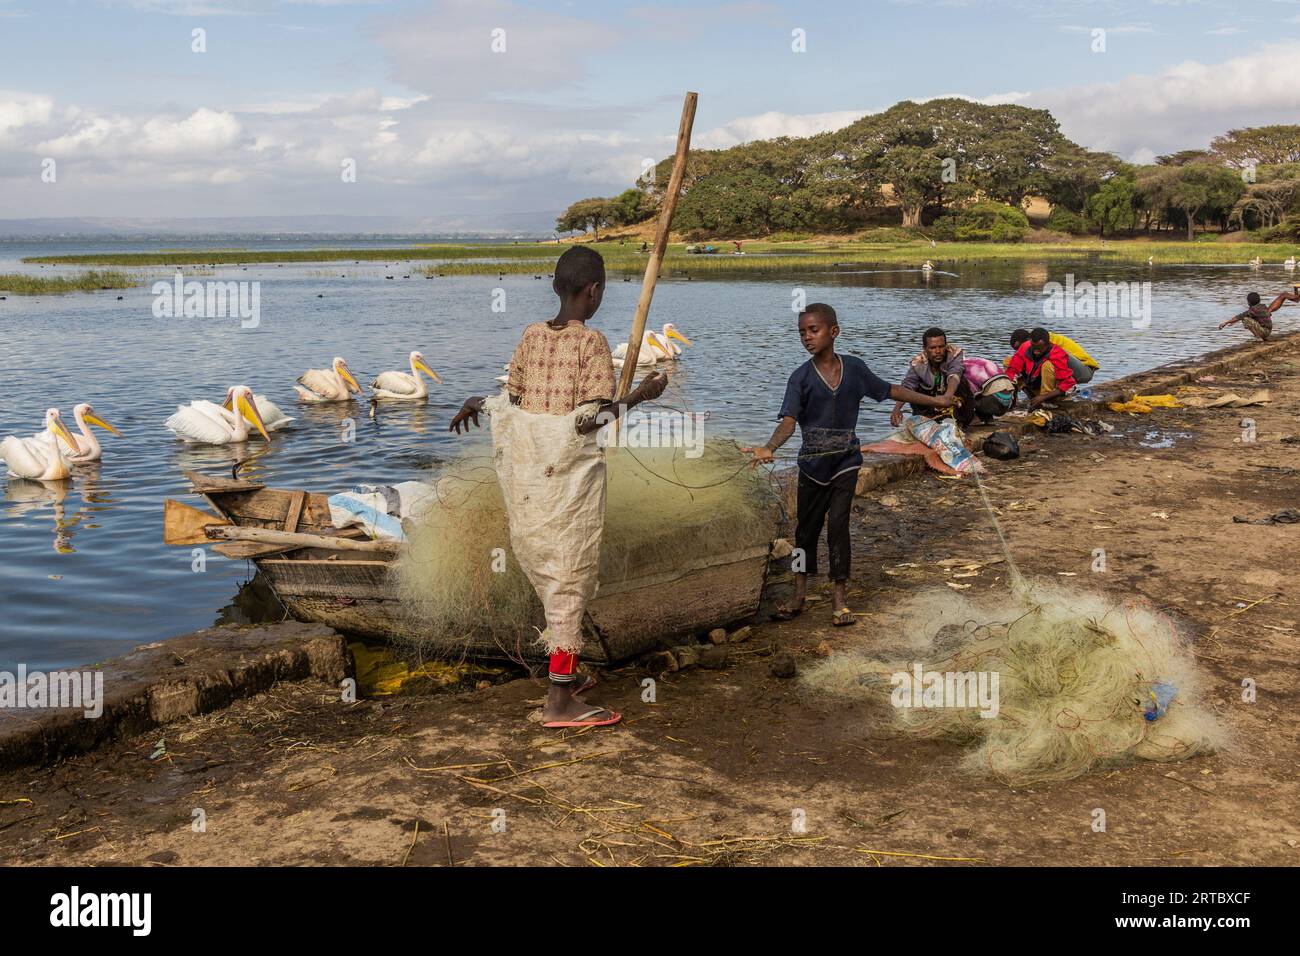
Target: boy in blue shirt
[(823, 397)]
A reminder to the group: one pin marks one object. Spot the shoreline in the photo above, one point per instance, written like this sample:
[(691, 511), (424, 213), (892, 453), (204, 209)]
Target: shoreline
[(150, 688), (760, 256)]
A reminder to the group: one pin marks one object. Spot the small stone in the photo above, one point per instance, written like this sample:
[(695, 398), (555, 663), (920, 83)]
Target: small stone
[(662, 662), (740, 634), (713, 658), (824, 649), (483, 685), (688, 655), (783, 665), (889, 501), (718, 635), (781, 548)]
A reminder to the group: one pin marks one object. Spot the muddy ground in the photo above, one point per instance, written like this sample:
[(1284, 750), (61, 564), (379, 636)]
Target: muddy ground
[(716, 770)]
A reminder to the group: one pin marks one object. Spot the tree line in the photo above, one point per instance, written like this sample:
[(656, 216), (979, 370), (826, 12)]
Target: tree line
[(957, 169)]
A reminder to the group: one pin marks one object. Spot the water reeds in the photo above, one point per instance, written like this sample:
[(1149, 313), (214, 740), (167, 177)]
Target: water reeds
[(17, 283)]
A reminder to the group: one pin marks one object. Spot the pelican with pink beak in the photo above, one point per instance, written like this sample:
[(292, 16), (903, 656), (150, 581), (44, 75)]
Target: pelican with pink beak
[(39, 457)]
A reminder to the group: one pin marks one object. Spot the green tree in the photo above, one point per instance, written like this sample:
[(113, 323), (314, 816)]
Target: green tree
[(1258, 145), (1114, 207), (1199, 189), (587, 215)]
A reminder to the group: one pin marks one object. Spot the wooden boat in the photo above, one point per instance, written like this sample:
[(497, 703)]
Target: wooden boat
[(341, 578)]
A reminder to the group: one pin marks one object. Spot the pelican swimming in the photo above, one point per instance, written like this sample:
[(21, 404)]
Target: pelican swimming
[(333, 384), (272, 417), (652, 351), (207, 423), (88, 449), (39, 457), (404, 385), (1256, 262), (1289, 263), (666, 339), (928, 267)]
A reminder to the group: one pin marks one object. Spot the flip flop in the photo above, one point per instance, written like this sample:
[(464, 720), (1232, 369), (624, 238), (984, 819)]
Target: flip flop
[(584, 720), (843, 617), (783, 613)]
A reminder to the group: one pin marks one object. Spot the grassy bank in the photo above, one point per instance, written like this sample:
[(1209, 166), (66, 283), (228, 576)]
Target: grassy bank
[(761, 257), (21, 284)]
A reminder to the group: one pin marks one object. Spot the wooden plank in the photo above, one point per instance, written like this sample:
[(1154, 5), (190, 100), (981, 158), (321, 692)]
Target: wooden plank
[(295, 510), (208, 484), (183, 524)]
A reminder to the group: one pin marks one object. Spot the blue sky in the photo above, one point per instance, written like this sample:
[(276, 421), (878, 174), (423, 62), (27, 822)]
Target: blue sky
[(439, 124)]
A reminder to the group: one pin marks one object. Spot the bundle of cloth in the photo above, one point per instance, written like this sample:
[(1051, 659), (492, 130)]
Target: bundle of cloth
[(936, 439), (379, 509)]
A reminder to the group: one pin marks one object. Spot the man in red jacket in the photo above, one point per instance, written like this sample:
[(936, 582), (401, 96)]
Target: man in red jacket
[(1041, 369)]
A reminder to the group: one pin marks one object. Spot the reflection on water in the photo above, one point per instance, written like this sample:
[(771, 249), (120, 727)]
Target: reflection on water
[(85, 573)]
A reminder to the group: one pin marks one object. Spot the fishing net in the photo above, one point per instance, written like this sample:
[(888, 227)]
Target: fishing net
[(665, 507), (1081, 683)]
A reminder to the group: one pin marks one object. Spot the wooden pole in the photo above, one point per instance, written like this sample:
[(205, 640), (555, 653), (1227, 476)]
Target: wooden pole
[(298, 539), (660, 247)]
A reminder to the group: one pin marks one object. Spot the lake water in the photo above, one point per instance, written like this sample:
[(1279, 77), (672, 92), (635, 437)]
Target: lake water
[(85, 574)]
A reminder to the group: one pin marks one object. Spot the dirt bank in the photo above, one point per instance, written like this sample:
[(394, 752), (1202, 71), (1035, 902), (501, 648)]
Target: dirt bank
[(716, 769)]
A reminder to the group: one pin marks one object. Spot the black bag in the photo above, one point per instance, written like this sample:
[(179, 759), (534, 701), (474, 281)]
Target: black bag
[(1002, 446)]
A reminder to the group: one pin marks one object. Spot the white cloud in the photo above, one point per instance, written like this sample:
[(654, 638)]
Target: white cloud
[(1182, 107), (23, 109), (746, 129)]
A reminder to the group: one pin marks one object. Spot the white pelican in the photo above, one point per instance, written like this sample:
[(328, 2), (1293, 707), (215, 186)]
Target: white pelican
[(272, 417), (666, 338), (207, 423), (89, 449), (652, 351), (327, 385), (1256, 262), (928, 267), (1289, 263), (403, 385), (39, 457)]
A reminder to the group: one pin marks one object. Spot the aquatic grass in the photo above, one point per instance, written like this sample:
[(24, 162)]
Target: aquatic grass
[(624, 259), (18, 283)]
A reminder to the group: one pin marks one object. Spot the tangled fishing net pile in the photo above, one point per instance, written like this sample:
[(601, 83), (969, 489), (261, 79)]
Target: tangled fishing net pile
[(662, 509), (1082, 683)]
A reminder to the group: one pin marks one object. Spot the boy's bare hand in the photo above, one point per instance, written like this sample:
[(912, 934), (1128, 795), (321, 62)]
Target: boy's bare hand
[(760, 456), (468, 413), (896, 417)]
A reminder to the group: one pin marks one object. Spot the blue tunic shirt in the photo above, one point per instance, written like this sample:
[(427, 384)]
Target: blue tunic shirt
[(828, 417)]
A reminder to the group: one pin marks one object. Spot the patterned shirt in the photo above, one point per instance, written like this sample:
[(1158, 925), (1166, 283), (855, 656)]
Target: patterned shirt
[(555, 371)]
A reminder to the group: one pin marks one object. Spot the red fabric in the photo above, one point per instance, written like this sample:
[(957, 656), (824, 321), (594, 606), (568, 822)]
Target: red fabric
[(563, 663), (1022, 363)]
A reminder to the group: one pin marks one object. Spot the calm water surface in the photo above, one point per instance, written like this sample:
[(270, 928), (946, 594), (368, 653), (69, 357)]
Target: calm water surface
[(85, 574)]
